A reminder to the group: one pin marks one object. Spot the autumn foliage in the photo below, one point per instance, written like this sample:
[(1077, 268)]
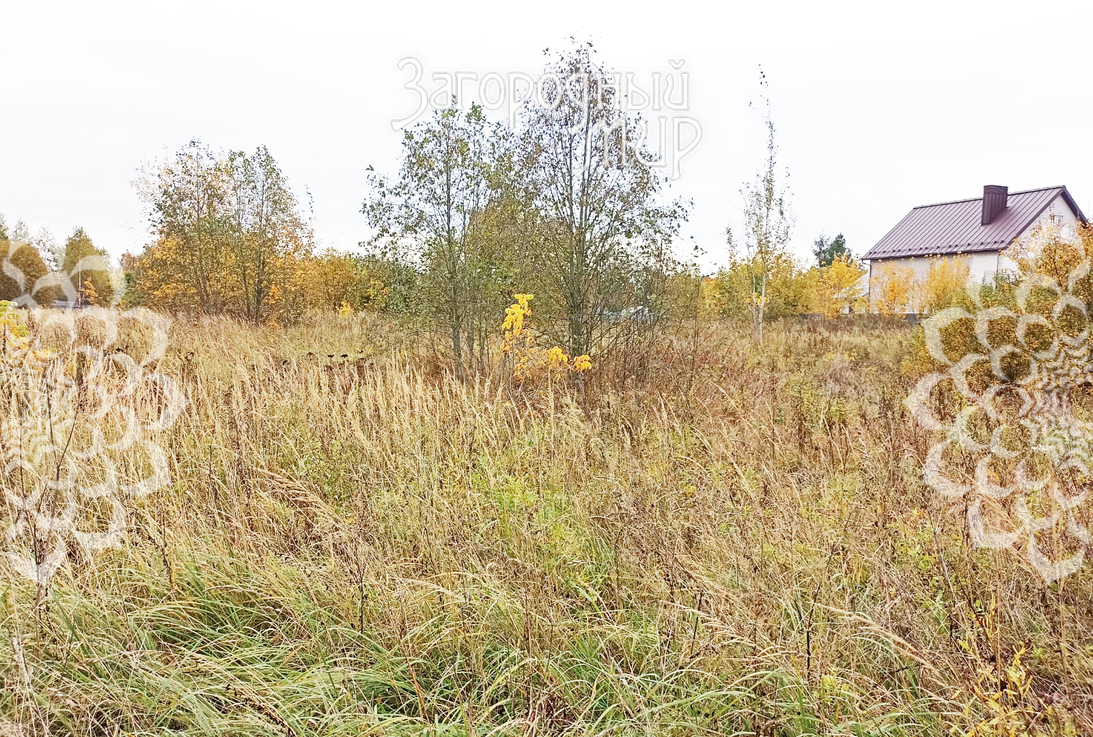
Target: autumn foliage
[(836, 289)]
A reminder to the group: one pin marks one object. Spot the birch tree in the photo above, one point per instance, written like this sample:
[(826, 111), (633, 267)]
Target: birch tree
[(87, 270), (185, 267), (225, 231), (267, 231), (606, 228), (767, 222), (438, 210)]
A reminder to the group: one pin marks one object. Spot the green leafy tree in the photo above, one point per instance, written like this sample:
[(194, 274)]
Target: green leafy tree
[(827, 250), (603, 230), (437, 213), (130, 268), (399, 279), (267, 233), (86, 270)]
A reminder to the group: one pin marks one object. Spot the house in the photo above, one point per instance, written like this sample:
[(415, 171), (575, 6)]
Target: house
[(976, 231)]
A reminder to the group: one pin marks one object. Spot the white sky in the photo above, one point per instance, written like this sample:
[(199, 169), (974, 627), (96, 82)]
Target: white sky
[(878, 106)]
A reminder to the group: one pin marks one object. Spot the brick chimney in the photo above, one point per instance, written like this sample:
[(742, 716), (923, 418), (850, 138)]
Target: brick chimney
[(994, 202)]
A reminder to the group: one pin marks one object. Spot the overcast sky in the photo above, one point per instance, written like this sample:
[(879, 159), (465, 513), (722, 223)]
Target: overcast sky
[(878, 106)]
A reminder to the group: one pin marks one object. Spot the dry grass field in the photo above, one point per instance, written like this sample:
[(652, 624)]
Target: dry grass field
[(734, 540)]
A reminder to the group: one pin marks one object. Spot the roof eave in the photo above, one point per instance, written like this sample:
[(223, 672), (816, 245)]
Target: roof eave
[(1073, 205), (941, 254)]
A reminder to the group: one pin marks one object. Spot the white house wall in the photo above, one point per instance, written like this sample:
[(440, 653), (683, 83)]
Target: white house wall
[(982, 267), (1063, 214)]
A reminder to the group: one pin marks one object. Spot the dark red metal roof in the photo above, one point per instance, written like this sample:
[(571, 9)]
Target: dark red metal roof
[(956, 227)]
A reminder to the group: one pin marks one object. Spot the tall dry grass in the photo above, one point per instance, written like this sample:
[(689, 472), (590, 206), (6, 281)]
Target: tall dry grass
[(735, 540)]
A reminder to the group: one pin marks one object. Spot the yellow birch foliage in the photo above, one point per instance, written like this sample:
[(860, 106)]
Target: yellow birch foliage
[(158, 272), (836, 289), (895, 293), (90, 293), (327, 280), (711, 300), (946, 284)]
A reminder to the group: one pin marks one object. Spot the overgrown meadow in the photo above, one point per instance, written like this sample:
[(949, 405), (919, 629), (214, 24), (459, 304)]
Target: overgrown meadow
[(727, 538)]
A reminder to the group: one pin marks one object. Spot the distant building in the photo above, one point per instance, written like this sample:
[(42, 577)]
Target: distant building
[(976, 231)]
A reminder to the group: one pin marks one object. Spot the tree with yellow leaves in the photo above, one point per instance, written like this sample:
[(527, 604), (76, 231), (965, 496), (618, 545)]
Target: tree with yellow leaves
[(87, 269), (266, 232), (895, 291), (711, 300), (327, 279), (835, 289), (25, 278), (519, 345), (946, 284), (1049, 250), (767, 226), (227, 234)]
